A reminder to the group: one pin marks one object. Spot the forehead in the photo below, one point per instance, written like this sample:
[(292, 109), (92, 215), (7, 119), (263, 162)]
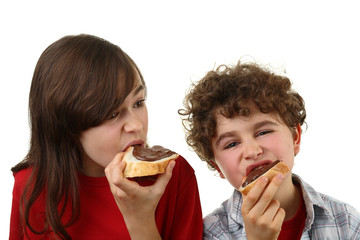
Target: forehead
[(127, 84), (139, 83), (128, 81), (253, 117)]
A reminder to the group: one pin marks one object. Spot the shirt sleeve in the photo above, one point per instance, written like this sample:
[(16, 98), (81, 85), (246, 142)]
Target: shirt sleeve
[(354, 222)]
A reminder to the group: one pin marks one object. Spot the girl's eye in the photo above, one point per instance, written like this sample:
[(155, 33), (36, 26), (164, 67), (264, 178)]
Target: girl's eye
[(231, 145), (114, 115), (139, 103)]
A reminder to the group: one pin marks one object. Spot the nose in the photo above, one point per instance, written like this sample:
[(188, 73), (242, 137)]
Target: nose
[(133, 123), (251, 149)]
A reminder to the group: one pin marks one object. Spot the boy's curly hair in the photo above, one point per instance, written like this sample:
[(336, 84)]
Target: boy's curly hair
[(230, 90)]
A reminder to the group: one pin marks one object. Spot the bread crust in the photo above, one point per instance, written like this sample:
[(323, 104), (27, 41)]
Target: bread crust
[(138, 168), (279, 168)]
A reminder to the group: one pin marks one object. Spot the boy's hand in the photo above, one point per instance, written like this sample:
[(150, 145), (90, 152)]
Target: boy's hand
[(262, 215), (136, 203)]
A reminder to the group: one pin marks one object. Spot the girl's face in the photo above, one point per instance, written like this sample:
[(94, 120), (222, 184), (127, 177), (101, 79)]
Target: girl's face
[(127, 126), (243, 143)]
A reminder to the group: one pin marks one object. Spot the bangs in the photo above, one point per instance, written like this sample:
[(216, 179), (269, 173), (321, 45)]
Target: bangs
[(126, 81), (119, 80), (81, 80)]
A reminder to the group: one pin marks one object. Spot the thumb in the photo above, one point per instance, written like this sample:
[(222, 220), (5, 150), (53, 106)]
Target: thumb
[(164, 178)]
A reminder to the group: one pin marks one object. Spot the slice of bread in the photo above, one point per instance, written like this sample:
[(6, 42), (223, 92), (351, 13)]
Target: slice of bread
[(139, 168), (279, 168)]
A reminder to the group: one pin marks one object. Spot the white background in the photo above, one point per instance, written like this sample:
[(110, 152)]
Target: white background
[(177, 42)]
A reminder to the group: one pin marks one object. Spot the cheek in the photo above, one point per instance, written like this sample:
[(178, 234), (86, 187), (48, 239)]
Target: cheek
[(145, 120), (99, 148), (231, 168), (145, 123), (283, 149)]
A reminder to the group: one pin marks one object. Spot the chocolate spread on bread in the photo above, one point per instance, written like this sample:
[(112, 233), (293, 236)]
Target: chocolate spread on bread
[(257, 172), (151, 154)]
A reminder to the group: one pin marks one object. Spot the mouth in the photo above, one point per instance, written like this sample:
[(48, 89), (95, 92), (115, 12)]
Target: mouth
[(140, 143), (257, 165)]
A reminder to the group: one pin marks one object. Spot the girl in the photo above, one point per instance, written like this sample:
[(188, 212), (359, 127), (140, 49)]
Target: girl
[(87, 105)]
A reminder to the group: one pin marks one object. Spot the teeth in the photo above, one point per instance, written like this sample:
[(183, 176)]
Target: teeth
[(260, 166), (256, 168)]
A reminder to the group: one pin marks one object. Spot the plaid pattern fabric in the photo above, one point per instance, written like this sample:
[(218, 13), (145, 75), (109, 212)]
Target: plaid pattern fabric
[(327, 218)]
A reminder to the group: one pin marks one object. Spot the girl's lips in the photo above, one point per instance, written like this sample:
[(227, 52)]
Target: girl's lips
[(257, 164), (132, 143)]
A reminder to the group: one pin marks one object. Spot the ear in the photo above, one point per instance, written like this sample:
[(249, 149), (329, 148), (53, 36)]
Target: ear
[(297, 139), (213, 164)]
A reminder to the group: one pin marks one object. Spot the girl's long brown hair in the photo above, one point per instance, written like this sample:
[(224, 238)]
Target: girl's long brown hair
[(78, 82)]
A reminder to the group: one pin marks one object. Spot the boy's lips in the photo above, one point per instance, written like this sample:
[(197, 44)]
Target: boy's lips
[(257, 164), (133, 143)]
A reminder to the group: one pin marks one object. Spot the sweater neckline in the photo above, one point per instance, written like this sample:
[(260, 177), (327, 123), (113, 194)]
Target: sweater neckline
[(85, 180)]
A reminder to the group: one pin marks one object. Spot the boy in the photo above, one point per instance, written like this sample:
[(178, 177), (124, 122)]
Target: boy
[(243, 117)]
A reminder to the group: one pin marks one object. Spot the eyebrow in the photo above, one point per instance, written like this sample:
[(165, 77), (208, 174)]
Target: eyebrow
[(256, 125), (224, 135), (138, 89), (266, 122)]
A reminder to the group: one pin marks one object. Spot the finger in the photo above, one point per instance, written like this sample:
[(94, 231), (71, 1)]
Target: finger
[(115, 167), (271, 189), (273, 218), (164, 178), (279, 217), (114, 173), (254, 194), (271, 211), (267, 196), (122, 182), (115, 162)]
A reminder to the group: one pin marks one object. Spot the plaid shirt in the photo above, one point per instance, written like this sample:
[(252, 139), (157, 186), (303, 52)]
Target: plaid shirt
[(327, 218)]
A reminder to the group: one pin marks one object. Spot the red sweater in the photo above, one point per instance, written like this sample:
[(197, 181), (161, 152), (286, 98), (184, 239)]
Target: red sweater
[(178, 215)]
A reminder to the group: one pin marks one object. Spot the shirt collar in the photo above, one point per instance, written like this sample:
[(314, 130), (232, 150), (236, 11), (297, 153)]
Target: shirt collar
[(314, 202), (234, 204)]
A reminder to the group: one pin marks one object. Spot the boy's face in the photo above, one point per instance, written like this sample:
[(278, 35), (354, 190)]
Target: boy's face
[(242, 143)]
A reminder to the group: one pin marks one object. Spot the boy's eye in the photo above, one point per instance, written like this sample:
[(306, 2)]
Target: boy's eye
[(261, 133), (231, 145)]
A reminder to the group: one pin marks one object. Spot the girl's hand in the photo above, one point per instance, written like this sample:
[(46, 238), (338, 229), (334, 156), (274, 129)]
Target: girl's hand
[(262, 215), (137, 203)]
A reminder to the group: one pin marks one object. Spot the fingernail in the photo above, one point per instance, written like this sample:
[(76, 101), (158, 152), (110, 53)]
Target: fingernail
[(280, 177), (172, 164), (264, 179)]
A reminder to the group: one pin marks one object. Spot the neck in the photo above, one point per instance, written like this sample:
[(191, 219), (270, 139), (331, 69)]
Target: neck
[(289, 197), (91, 168)]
